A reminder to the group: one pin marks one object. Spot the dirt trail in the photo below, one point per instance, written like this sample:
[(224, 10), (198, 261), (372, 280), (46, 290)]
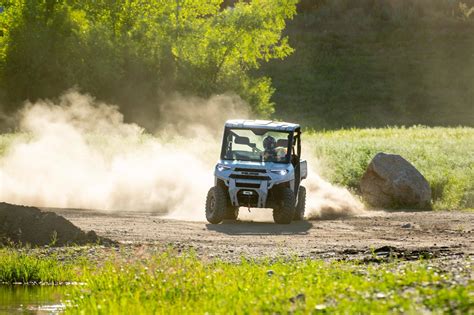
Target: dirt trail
[(442, 233)]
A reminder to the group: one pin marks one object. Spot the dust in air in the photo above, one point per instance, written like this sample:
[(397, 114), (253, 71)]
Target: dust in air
[(79, 153)]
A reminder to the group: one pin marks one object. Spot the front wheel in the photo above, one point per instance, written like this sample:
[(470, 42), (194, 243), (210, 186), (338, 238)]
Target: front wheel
[(216, 204), (284, 212), (300, 205), (231, 213)]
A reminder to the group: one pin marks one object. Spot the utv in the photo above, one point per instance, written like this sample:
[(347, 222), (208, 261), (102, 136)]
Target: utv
[(260, 167)]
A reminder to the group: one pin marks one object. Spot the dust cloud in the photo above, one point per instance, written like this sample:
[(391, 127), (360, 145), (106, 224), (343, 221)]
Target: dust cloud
[(326, 201), (79, 153)]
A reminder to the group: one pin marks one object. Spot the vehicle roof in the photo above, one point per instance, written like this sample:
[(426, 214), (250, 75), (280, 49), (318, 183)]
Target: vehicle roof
[(261, 124)]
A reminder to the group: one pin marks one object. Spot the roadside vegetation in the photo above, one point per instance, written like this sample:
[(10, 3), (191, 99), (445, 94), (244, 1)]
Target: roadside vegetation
[(445, 156), (171, 283), (17, 266)]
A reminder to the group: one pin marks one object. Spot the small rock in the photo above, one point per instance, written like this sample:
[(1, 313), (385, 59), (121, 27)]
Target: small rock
[(320, 307), (385, 250), (406, 226), (299, 298), (270, 273), (91, 235), (380, 295)]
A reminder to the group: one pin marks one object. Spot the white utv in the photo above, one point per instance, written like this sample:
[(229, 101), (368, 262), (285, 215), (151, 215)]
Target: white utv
[(260, 167)]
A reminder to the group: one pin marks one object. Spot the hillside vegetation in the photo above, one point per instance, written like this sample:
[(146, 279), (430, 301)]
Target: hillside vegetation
[(377, 63), (325, 64)]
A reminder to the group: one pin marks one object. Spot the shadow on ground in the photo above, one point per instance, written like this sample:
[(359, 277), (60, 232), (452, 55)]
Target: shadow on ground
[(260, 228)]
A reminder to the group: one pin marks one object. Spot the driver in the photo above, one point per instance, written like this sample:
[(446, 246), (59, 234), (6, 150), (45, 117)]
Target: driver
[(269, 144)]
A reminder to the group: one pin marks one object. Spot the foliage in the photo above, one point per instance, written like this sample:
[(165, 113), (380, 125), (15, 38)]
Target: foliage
[(376, 63), (445, 156), (129, 51), (176, 284)]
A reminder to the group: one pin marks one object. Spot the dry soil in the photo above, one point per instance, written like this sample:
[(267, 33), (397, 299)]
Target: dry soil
[(405, 234)]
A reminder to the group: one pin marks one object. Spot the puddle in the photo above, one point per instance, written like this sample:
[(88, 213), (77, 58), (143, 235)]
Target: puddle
[(31, 299)]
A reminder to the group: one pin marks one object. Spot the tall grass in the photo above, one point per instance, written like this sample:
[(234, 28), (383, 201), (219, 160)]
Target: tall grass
[(445, 156), (17, 266)]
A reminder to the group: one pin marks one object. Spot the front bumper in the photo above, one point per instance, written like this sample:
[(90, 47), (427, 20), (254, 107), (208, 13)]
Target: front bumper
[(249, 187)]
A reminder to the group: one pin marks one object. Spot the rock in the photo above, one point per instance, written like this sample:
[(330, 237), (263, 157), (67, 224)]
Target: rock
[(320, 307), (298, 298), (385, 250), (391, 181), (380, 295), (406, 226)]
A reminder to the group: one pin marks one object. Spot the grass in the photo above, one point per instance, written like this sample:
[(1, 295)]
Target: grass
[(19, 267), (171, 284), (445, 156)]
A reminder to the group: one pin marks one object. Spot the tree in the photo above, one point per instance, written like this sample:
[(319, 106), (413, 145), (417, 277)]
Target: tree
[(124, 50)]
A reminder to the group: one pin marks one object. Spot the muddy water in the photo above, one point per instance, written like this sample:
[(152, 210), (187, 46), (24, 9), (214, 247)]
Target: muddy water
[(31, 299)]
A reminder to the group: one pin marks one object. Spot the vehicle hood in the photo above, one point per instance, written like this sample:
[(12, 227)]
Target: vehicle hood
[(252, 164)]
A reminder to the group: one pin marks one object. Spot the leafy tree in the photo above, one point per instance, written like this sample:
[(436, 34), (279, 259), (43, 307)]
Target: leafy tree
[(37, 52), (124, 50), (221, 49)]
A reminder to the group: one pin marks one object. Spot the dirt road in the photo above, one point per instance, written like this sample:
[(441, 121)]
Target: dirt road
[(409, 233)]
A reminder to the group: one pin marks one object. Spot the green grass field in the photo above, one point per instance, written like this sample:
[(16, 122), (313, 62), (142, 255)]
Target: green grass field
[(445, 156), (175, 284)]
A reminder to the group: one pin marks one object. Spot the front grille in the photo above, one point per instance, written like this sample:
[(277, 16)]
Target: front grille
[(248, 185), (255, 177), (251, 170)]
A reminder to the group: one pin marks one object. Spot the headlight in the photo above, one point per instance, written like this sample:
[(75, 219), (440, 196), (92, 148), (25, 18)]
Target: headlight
[(280, 172), (221, 167)]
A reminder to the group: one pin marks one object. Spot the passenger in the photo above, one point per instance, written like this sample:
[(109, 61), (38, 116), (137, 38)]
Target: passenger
[(281, 153), (269, 144)]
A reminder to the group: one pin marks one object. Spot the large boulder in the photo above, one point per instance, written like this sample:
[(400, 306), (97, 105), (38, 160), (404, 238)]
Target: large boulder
[(391, 181)]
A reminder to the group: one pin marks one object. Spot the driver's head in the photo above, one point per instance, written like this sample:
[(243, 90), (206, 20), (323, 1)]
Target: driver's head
[(269, 143)]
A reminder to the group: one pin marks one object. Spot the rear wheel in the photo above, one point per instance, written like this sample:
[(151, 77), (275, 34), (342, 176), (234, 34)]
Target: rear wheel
[(231, 213), (300, 205), (285, 210), (216, 205)]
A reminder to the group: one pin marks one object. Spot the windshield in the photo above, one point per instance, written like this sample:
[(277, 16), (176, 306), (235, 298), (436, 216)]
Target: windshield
[(256, 145)]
